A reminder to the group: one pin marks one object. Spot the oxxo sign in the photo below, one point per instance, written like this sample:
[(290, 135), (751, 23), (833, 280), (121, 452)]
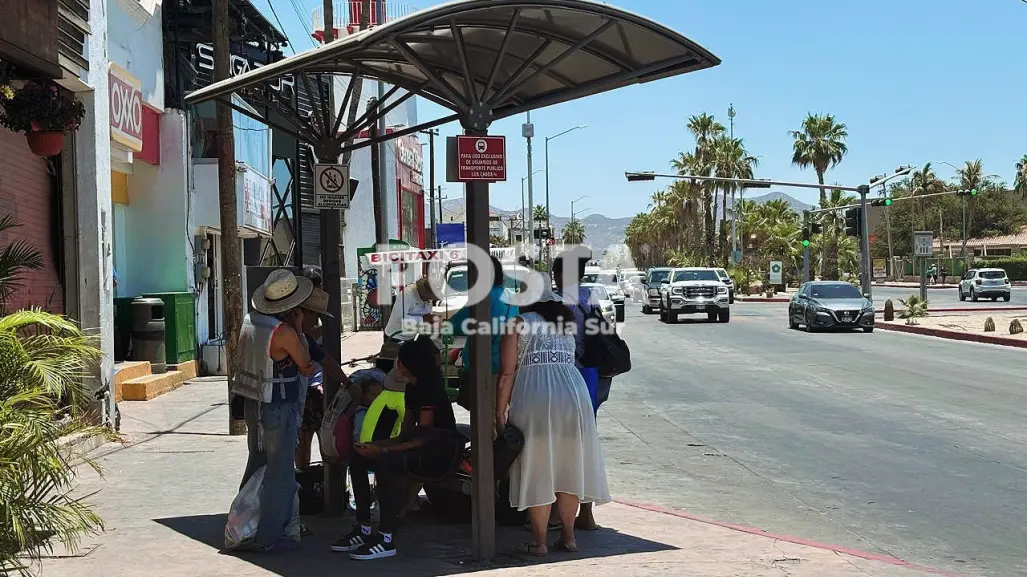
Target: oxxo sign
[(126, 98), (238, 65)]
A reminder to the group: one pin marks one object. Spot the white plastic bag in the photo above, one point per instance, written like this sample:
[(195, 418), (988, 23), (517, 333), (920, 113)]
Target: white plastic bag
[(244, 515)]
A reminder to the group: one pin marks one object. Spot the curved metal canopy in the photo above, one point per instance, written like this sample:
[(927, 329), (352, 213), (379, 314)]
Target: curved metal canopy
[(490, 59)]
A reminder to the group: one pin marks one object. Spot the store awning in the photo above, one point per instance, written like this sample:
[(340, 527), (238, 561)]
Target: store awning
[(509, 55)]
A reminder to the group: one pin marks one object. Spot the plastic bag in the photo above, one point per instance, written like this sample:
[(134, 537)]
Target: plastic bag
[(244, 515)]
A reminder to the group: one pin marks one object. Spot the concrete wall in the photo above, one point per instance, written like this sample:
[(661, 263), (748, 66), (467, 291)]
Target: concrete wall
[(136, 43)]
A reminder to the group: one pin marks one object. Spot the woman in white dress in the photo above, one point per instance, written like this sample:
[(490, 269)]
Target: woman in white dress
[(542, 393)]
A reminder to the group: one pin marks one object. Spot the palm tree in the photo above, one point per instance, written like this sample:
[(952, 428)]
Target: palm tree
[(15, 258), (705, 129), (832, 222), (1020, 180), (573, 232), (731, 160), (921, 182), (540, 213), (820, 144)]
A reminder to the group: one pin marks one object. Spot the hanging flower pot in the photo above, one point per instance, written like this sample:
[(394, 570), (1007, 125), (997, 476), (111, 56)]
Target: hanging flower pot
[(44, 114), (45, 143)]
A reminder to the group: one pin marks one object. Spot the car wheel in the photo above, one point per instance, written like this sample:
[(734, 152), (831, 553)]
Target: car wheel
[(791, 322), (672, 317), (711, 316), (646, 310), (1006, 297), (662, 313), (724, 316), (994, 299), (962, 297), (973, 294), (868, 329), (809, 324)]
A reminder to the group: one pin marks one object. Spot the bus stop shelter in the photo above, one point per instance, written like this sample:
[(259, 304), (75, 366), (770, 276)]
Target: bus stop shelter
[(482, 60)]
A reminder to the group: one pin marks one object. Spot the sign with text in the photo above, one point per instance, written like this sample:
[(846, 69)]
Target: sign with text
[(478, 159), (255, 200), (923, 243), (415, 256), (331, 186), (240, 65), (126, 116)]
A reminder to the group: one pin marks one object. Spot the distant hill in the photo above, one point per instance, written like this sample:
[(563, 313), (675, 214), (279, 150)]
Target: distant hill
[(600, 231)]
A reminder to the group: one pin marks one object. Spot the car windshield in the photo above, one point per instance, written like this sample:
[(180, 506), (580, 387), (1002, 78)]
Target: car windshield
[(695, 275), (723, 274), (457, 281), (835, 291), (992, 274), (599, 292), (657, 276)]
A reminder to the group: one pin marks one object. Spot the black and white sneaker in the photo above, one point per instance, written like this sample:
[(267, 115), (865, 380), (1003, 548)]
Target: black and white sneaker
[(375, 548), (353, 540)]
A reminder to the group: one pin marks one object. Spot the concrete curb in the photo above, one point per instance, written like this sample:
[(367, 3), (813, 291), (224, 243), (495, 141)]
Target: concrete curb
[(966, 310), (953, 335), (762, 300), (791, 539), (916, 286)]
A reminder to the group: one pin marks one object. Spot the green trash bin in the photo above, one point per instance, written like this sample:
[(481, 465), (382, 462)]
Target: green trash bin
[(180, 326)]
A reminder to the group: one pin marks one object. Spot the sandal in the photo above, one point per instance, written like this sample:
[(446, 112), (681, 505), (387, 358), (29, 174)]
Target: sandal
[(565, 546), (532, 549)]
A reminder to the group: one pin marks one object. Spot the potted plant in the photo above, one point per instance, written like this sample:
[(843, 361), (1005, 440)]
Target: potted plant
[(43, 114)]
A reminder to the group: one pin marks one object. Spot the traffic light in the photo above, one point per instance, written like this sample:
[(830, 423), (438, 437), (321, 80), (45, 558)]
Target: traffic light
[(965, 192), (805, 236), (881, 202), (853, 226)]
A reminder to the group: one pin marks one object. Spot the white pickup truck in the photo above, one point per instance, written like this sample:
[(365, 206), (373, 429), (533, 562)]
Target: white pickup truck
[(694, 290)]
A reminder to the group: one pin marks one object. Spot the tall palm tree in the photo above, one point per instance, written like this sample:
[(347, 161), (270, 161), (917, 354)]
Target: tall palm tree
[(573, 232), (971, 177), (832, 221), (820, 144), (731, 160), (1020, 180), (705, 129), (921, 182), (540, 213)]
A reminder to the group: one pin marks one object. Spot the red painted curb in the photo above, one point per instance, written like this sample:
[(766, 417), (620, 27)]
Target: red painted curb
[(953, 335), (791, 539)]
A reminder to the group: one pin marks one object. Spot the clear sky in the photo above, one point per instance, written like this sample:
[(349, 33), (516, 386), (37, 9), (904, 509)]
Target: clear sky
[(914, 80)]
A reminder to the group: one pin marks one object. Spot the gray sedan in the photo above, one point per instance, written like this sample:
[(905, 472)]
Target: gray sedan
[(830, 304)]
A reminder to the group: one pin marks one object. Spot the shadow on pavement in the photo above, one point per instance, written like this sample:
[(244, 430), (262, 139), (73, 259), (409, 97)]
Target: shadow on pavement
[(427, 548)]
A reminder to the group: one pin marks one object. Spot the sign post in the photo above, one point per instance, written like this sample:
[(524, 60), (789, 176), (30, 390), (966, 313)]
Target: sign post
[(923, 249), (331, 187), (775, 272)]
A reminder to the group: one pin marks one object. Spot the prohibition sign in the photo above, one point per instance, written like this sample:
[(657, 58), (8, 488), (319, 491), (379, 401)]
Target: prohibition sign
[(331, 180)]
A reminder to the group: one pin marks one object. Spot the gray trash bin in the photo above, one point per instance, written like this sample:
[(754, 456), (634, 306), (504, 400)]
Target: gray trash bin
[(148, 333)]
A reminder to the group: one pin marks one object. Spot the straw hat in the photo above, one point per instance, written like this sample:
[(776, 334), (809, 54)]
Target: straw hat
[(317, 302), (282, 291)]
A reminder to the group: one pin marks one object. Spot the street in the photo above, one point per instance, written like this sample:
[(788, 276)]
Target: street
[(946, 297), (891, 443)]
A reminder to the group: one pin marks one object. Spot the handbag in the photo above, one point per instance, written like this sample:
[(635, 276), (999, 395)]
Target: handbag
[(604, 349), (311, 483)]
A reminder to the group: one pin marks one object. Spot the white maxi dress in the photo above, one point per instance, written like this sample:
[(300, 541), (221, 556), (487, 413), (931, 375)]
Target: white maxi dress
[(551, 406)]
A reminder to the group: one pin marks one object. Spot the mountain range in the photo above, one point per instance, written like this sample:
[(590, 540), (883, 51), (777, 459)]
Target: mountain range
[(600, 231)]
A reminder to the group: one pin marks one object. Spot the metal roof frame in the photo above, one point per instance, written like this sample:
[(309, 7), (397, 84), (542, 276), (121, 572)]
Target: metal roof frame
[(482, 59)]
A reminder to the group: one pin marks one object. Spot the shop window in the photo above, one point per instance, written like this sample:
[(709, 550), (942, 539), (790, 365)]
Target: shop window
[(412, 213), (252, 137)]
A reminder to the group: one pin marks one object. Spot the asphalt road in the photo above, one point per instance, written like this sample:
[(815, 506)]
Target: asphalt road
[(947, 297), (886, 442)]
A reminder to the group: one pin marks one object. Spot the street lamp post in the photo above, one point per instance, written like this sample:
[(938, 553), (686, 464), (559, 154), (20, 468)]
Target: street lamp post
[(527, 211), (549, 215), (573, 202)]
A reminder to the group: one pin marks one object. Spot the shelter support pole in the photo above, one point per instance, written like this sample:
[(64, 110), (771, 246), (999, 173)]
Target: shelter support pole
[(483, 388)]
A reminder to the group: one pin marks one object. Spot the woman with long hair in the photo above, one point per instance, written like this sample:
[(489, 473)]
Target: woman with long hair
[(542, 393)]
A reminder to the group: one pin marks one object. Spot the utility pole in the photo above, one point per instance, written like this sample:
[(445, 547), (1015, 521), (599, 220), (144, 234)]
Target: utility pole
[(380, 189), (381, 232), (231, 250), (734, 199), (528, 131), (805, 249), (439, 196), (431, 182), (864, 242)]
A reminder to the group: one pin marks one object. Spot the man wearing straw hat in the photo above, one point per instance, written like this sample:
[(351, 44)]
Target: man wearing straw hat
[(413, 305), (273, 356)]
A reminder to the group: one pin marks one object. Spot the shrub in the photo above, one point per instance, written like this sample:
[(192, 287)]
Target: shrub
[(889, 310), (1016, 266), (916, 308), (989, 325), (41, 107), (1015, 327)]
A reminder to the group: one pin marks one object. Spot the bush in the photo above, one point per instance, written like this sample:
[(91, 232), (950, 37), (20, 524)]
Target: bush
[(889, 310), (1015, 327), (1016, 266), (43, 358), (916, 308), (989, 325)]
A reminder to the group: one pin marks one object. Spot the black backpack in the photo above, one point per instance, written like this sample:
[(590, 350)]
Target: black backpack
[(604, 349)]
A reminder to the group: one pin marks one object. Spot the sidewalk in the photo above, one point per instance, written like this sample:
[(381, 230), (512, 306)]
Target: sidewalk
[(168, 487)]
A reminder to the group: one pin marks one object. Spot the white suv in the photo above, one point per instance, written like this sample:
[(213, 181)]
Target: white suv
[(985, 283)]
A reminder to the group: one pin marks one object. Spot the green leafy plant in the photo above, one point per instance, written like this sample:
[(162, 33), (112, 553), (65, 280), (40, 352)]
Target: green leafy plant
[(40, 107), (889, 310), (15, 258), (43, 358), (915, 308), (1015, 327), (989, 325)]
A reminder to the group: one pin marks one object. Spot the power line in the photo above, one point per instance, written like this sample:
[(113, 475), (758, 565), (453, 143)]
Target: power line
[(270, 4), (303, 21)]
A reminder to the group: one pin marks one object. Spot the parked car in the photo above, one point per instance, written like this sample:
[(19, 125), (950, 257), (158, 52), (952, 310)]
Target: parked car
[(694, 290), (605, 302), (635, 287), (608, 278), (830, 304), (653, 280), (727, 282), (985, 283)]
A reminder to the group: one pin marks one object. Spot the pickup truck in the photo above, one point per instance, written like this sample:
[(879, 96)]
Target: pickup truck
[(694, 290)]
